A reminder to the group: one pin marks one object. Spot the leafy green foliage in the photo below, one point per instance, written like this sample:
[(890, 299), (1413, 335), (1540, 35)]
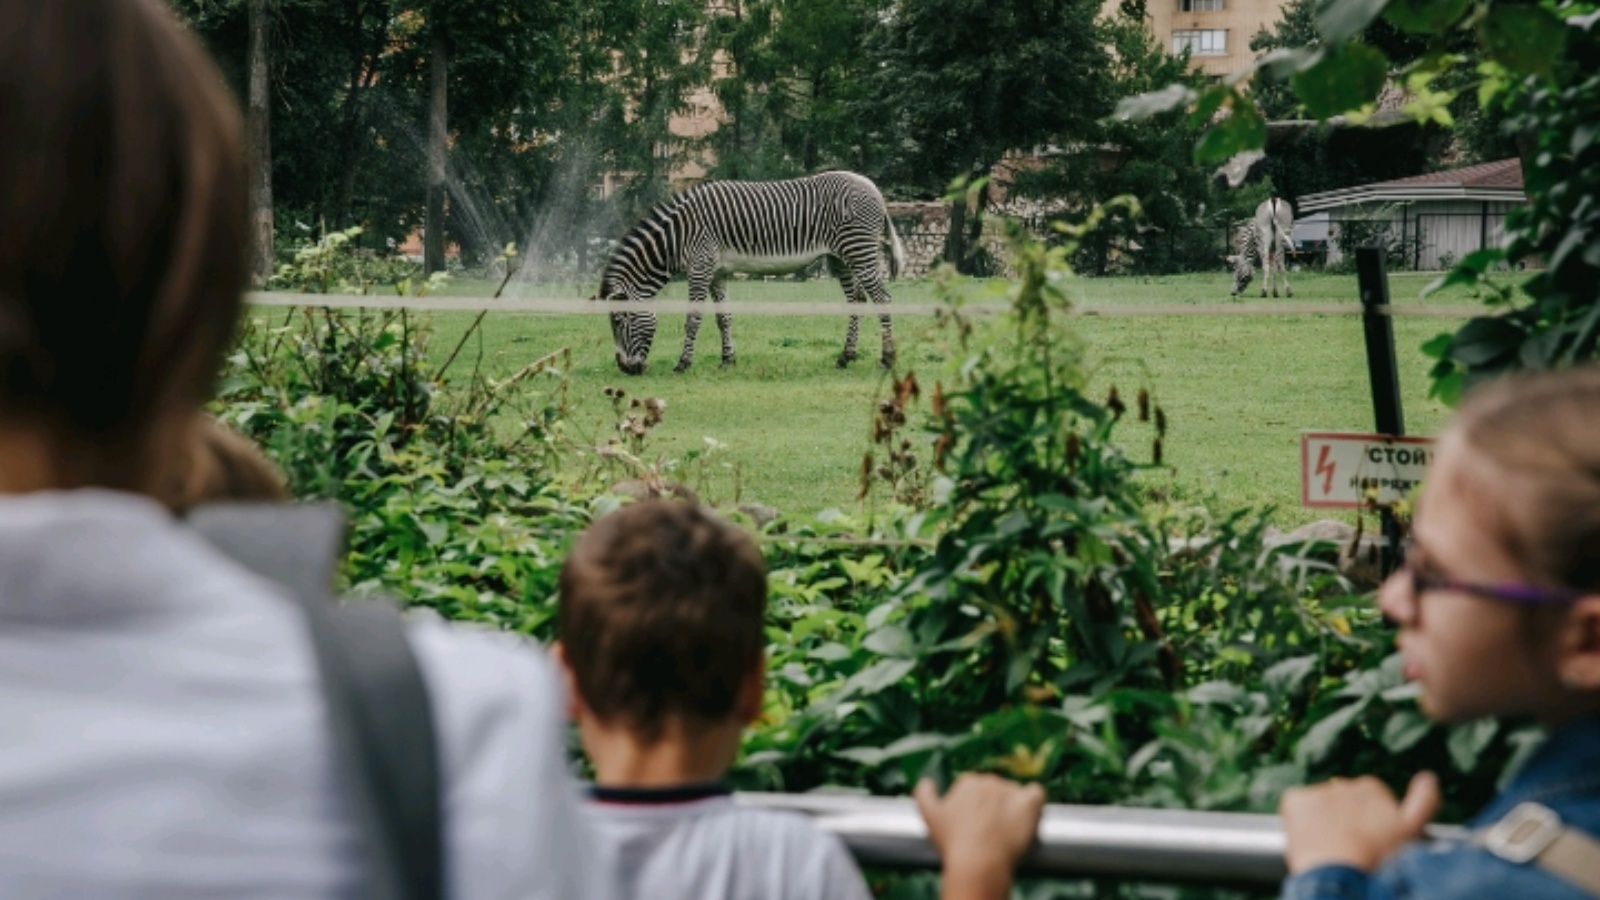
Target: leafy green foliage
[(1341, 78), (1034, 618), (1020, 609), (1539, 67)]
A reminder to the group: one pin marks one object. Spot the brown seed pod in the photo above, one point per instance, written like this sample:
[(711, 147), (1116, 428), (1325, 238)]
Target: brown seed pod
[(1114, 404)]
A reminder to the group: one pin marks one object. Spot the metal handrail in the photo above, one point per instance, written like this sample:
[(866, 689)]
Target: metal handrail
[(573, 306), (1154, 845)]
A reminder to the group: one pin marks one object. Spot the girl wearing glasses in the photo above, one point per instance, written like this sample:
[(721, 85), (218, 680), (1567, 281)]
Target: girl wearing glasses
[(1498, 608)]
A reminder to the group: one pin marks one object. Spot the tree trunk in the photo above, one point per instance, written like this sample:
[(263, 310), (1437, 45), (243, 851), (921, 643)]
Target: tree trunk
[(259, 126), (363, 74), (955, 238), (433, 224), (968, 265)]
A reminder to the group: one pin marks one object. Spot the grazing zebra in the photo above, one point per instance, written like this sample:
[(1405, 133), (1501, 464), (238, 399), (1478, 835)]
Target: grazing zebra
[(751, 226), (1264, 240)]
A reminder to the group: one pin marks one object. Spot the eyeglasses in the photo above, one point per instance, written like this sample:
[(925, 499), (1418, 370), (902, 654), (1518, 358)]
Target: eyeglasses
[(1507, 592)]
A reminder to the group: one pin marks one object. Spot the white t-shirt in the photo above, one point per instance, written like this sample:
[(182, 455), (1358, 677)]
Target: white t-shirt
[(164, 735), (711, 849)]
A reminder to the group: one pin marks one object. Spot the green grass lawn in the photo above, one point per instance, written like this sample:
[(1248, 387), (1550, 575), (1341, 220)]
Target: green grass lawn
[(1237, 389)]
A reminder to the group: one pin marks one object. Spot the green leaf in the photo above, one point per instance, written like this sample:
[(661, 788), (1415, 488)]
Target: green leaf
[(1325, 734), (1345, 79), (1483, 341), (1285, 61), (911, 743), (1341, 20), (1223, 693), (1286, 677), (1468, 272), (1468, 741), (1404, 729), (1425, 16), (1437, 346), (876, 677), (1525, 39), (892, 641), (1244, 129), (1143, 106), (1208, 104), (830, 652), (1583, 136)]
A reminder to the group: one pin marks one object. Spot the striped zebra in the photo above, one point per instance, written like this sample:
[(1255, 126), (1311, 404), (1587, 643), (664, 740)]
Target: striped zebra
[(751, 226), (1268, 230)]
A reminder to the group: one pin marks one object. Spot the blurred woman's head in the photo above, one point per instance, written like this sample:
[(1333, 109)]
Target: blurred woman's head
[(1499, 601), (122, 263)]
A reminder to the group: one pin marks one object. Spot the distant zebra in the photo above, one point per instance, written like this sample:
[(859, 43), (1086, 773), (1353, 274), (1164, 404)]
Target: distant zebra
[(1264, 241), (751, 226)]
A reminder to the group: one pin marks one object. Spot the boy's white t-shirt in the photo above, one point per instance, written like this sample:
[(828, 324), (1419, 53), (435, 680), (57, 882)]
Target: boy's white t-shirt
[(712, 849)]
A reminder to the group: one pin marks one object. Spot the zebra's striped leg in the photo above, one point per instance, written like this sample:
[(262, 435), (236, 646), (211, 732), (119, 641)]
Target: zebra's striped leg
[(851, 335), (691, 328), (724, 324), (870, 278), (853, 332), (699, 285)]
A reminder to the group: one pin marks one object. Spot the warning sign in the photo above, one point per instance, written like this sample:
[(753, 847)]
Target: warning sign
[(1338, 470)]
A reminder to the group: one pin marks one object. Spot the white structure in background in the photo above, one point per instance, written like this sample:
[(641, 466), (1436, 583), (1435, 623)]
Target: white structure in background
[(1437, 218)]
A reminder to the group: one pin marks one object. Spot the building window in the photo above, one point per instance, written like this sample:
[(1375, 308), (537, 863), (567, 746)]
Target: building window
[(1199, 5), (1207, 42)]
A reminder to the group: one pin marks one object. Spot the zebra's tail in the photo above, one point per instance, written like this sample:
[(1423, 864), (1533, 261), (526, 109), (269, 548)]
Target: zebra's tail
[(897, 250)]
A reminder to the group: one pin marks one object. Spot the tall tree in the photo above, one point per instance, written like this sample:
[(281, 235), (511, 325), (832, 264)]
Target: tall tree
[(962, 82), (259, 126), (438, 145), (1148, 159), (792, 71)]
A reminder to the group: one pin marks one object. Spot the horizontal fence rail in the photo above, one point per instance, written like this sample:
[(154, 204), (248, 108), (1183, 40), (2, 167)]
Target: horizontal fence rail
[(1154, 845), (820, 308)]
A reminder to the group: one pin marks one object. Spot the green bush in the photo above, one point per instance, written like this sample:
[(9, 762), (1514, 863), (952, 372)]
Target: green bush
[(1018, 604)]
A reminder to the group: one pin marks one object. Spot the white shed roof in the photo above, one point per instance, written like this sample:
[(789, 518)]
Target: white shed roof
[(1495, 181)]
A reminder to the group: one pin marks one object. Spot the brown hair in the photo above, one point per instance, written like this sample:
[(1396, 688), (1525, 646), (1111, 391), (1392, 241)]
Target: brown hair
[(121, 270), (223, 464), (1540, 434), (661, 615)]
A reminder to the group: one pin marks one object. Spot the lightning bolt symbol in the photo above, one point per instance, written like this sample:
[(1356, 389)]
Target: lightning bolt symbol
[(1325, 469)]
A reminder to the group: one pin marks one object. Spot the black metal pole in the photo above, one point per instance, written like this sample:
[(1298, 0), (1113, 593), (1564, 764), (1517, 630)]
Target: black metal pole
[(1383, 374)]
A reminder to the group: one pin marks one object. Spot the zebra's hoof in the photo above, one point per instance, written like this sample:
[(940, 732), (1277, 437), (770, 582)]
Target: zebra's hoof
[(1288, 293), (680, 368), (886, 363), (843, 360), (727, 362)]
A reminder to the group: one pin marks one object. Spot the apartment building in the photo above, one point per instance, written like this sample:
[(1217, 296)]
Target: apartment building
[(1216, 32)]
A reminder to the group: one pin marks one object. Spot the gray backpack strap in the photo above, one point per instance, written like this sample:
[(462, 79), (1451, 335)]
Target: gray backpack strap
[(1533, 834), (383, 731), (378, 704)]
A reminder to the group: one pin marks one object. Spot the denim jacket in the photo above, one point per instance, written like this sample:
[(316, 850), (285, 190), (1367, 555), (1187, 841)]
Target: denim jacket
[(1563, 774)]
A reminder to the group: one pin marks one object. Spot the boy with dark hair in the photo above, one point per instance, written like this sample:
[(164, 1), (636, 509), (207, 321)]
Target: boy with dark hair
[(662, 617)]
